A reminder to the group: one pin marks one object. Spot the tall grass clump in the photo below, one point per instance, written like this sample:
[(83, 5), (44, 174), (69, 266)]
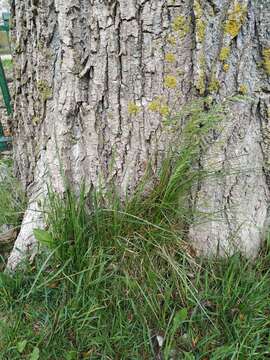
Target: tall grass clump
[(12, 205), (120, 281), (12, 197)]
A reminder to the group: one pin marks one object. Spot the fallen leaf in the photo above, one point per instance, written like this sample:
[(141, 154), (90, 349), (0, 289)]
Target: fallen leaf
[(241, 317), (86, 354), (53, 285)]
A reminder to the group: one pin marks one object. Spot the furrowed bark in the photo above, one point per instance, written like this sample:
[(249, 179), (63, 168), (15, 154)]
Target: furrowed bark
[(95, 78), (239, 201)]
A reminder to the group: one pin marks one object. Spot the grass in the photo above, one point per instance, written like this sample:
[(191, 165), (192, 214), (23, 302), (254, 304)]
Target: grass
[(12, 197), (121, 282), (12, 206), (114, 283), (7, 64)]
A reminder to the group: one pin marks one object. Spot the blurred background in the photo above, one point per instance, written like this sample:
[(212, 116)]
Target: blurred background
[(4, 44)]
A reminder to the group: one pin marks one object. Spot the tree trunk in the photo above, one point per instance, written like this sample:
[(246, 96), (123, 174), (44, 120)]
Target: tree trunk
[(94, 79)]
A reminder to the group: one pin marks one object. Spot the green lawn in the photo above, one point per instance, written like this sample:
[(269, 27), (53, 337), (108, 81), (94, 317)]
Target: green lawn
[(114, 284)]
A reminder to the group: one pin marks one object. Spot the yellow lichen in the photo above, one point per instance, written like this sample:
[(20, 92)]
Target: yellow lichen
[(198, 9), (235, 20), (133, 108), (154, 106), (208, 100), (160, 106), (200, 29), (226, 67), (200, 84), (214, 85), (44, 89), (178, 23), (200, 24), (243, 89), (164, 110), (224, 53), (170, 58), (171, 40), (202, 61), (181, 25), (170, 82), (266, 60)]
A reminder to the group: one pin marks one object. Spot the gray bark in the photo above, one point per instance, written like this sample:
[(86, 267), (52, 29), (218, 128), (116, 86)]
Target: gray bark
[(87, 72)]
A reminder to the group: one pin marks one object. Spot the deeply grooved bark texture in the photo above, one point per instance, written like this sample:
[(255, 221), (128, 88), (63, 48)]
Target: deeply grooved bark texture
[(98, 60), (238, 201), (88, 72)]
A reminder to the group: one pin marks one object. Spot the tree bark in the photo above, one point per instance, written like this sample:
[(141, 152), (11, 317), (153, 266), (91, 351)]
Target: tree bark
[(95, 78)]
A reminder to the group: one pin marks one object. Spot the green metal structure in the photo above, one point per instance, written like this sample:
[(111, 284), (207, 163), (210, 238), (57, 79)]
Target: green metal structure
[(5, 25), (5, 141)]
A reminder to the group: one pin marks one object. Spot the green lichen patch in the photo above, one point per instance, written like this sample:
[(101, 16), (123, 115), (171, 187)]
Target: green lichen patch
[(224, 54), (198, 9), (164, 110), (170, 58), (236, 18), (180, 25), (171, 39), (200, 83), (44, 89), (243, 89), (133, 109), (200, 23), (226, 67), (154, 105), (160, 106), (201, 80), (214, 85), (266, 60), (200, 29), (170, 82)]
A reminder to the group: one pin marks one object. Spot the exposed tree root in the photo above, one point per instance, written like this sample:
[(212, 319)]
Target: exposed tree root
[(26, 246)]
